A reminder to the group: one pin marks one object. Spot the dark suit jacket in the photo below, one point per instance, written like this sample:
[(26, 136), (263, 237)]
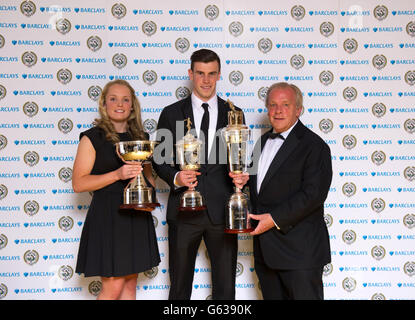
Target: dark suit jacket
[(214, 182), (293, 191)]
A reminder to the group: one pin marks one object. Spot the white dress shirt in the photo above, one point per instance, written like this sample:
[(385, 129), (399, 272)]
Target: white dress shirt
[(198, 112), (271, 148)]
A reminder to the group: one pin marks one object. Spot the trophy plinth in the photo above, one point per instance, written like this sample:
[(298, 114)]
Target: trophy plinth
[(137, 195), (188, 152), (237, 136)]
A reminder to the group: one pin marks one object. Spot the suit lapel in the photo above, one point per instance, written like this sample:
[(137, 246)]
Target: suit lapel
[(222, 120), (286, 149)]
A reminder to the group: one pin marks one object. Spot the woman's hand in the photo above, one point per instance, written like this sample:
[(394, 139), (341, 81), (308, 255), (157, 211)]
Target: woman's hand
[(129, 170)]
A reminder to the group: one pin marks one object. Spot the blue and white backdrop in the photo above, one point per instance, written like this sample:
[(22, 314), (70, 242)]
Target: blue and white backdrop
[(353, 60)]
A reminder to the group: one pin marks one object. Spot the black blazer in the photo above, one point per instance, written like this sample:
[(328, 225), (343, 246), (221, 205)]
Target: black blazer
[(214, 183), (293, 191)]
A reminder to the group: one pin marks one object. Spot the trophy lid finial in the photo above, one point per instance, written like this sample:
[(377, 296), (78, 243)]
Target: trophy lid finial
[(231, 105), (188, 124)]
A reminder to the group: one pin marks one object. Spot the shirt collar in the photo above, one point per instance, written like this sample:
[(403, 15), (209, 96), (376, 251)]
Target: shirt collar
[(287, 132), (212, 102)]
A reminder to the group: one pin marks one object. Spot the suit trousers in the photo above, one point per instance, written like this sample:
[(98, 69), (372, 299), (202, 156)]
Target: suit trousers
[(185, 236), (298, 284)]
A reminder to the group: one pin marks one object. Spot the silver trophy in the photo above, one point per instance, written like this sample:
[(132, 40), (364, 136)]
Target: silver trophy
[(188, 151), (237, 136), (137, 195)]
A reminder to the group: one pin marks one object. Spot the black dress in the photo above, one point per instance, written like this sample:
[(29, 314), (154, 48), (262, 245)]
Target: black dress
[(114, 242)]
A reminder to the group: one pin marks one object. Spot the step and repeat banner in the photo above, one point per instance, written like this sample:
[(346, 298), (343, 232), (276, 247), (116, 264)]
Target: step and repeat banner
[(353, 60)]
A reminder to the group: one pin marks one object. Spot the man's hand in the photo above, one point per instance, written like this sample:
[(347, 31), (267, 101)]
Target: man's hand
[(239, 179), (265, 223), (187, 178)]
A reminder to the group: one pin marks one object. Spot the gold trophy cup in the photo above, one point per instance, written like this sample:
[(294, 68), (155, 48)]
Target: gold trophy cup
[(137, 195), (188, 151), (237, 136)]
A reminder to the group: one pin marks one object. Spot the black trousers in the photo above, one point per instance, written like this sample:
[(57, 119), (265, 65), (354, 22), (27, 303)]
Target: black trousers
[(301, 284), (185, 235)]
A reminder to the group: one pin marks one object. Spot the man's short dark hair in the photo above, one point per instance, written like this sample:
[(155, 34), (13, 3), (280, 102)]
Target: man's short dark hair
[(205, 56)]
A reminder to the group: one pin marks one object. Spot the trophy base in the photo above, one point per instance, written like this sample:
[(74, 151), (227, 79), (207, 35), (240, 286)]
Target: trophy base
[(239, 230), (201, 208), (148, 207), (192, 200), (139, 198)]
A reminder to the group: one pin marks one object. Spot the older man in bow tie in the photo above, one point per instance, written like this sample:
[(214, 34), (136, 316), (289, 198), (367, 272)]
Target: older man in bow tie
[(291, 241)]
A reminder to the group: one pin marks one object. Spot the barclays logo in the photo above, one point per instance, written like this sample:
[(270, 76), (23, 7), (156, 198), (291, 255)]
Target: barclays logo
[(35, 26), (8, 8), (8, 25), (90, 27), (354, 110), (180, 61), (59, 257), (378, 45), (299, 29), (28, 42), (377, 94), (355, 13), (264, 29), (89, 10), (9, 76), (40, 224), (9, 109), (9, 59), (355, 29), (290, 45), (123, 28), (9, 175), (149, 61), (38, 76), (323, 13), (66, 93), (65, 43), (55, 9), (9, 208), (9, 125), (30, 290), (208, 45), (184, 12), (240, 12), (406, 189), (124, 44), (208, 29), (322, 94), (386, 126), (387, 29), (354, 78), (91, 77), (124, 77), (322, 45), (91, 60), (148, 11), (9, 159)]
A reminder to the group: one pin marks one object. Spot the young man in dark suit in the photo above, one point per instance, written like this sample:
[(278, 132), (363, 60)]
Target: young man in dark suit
[(186, 230), (291, 241)]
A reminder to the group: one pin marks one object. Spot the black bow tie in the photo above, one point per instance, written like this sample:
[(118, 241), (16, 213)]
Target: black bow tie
[(273, 135)]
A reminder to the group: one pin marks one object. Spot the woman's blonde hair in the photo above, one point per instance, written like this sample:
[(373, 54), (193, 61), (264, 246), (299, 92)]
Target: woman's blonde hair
[(134, 124)]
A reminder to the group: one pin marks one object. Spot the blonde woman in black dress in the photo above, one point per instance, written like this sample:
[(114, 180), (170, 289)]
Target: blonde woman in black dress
[(115, 245)]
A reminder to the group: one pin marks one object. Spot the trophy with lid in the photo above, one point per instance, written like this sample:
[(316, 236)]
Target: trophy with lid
[(137, 195), (188, 151), (237, 136)]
